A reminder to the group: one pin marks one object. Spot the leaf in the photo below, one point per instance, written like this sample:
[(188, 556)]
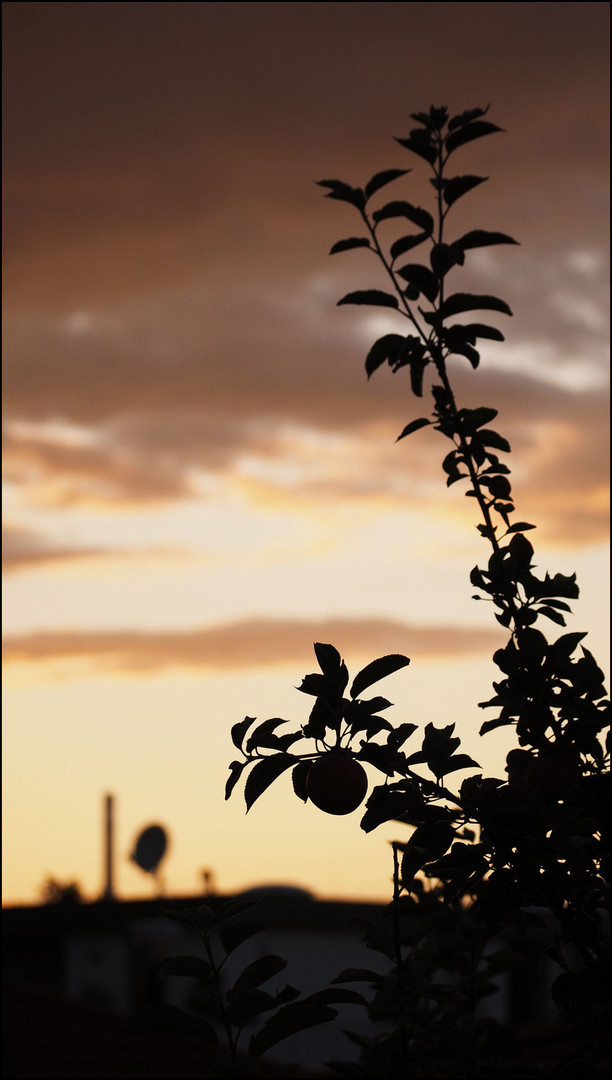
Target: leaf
[(297, 1016), (554, 616), (414, 425), (466, 117), (234, 934), (344, 192), (387, 348), (347, 245), (382, 178), (369, 296), (452, 764), (491, 725), (491, 438), (263, 774), (419, 143), (389, 802), (406, 243), (231, 908), (378, 669), (417, 367), (482, 238), (476, 330), (459, 302), (521, 526), (236, 768), (459, 185), (423, 278), (239, 730), (259, 971), (468, 132), (563, 647), (298, 779), (261, 732), (328, 656), (472, 419), (420, 217), (195, 966)]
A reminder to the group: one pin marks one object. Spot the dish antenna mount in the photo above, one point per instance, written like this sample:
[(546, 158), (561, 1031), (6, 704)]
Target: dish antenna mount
[(149, 850)]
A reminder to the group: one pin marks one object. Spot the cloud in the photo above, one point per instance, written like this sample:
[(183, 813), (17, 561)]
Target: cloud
[(25, 549), (294, 447), (245, 644)]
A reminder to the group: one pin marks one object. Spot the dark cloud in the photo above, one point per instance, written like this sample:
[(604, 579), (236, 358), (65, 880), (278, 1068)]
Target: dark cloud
[(166, 277), (248, 643)]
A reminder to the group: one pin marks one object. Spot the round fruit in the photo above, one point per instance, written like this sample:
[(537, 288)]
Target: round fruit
[(552, 775), (336, 783)]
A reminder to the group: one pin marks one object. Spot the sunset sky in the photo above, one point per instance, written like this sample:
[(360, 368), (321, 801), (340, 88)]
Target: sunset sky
[(199, 480)]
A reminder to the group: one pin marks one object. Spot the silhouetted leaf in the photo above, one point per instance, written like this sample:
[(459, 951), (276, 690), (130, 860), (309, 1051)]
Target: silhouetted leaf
[(521, 526), (263, 774), (423, 278), (382, 178), (390, 802), (259, 971), (468, 132), (406, 243), (414, 425), (236, 768), (417, 368), (452, 764), (387, 348), (231, 908), (458, 186), (459, 302), (369, 296), (347, 245), (481, 238), (444, 256), (471, 419), (297, 1016), (378, 669), (466, 117), (418, 142), (344, 192), (491, 438), (261, 731), (298, 779), (420, 217), (357, 975), (234, 934), (550, 613), (491, 725), (239, 730), (328, 656), (473, 331)]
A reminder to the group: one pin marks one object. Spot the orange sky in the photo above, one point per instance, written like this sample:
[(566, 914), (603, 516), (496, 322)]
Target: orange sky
[(199, 480)]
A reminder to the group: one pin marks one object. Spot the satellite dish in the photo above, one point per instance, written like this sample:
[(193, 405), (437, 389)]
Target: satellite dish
[(150, 848)]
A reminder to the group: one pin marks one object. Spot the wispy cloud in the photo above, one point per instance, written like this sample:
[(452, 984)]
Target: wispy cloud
[(247, 643)]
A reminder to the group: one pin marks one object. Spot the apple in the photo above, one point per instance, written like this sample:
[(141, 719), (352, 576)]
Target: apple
[(336, 783)]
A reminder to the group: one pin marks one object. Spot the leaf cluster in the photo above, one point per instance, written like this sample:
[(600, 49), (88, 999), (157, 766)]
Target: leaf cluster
[(227, 1009), (335, 721)]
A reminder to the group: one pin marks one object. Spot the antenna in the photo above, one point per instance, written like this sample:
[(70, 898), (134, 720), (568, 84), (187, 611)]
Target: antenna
[(149, 850), (109, 807)]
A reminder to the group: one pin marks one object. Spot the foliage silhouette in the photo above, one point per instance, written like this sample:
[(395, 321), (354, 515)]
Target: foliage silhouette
[(486, 852)]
